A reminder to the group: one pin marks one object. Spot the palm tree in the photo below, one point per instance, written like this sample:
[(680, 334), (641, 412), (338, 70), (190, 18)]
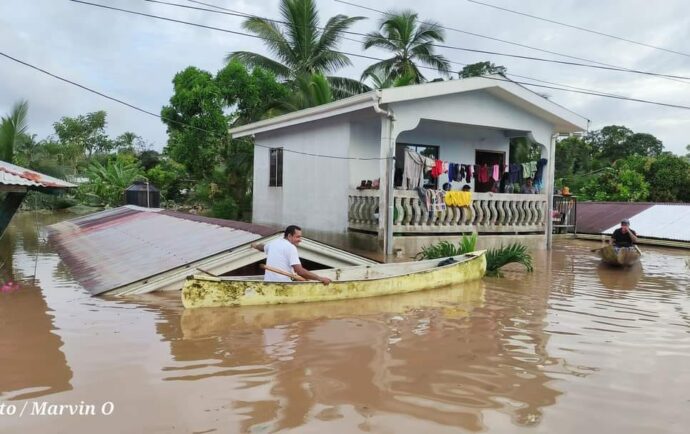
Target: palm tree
[(411, 42), (13, 130), (380, 80), (310, 90), (300, 45)]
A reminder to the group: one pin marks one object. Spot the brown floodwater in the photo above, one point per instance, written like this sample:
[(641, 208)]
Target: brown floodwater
[(573, 347)]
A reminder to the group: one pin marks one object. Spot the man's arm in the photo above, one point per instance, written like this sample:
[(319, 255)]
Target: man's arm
[(633, 235), (258, 246), (301, 271)]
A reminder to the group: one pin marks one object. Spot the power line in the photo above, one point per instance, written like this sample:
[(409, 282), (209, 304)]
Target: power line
[(150, 113), (512, 43), (242, 14), (643, 44), (587, 91), (539, 59)]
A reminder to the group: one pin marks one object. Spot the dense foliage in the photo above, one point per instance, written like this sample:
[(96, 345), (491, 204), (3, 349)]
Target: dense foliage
[(617, 164)]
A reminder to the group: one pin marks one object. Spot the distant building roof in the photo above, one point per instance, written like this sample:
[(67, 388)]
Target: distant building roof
[(134, 250), (649, 220), (11, 174)]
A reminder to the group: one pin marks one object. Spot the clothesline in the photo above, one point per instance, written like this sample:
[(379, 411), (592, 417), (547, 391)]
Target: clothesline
[(416, 165)]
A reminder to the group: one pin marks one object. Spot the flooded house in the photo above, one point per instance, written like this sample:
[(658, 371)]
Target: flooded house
[(339, 169)]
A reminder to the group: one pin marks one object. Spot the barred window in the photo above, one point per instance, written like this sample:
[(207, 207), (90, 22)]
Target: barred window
[(275, 178)]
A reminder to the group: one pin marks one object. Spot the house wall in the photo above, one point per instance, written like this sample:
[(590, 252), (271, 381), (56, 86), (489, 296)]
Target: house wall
[(313, 194), (365, 139)]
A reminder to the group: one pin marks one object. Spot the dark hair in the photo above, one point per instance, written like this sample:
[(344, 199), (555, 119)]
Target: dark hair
[(290, 230), (447, 186), (466, 187)]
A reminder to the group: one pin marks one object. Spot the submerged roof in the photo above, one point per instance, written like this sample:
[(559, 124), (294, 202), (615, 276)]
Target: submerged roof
[(11, 174), (565, 120), (132, 249), (649, 220), (119, 246)]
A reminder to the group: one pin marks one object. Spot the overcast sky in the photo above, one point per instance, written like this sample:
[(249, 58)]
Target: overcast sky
[(134, 58)]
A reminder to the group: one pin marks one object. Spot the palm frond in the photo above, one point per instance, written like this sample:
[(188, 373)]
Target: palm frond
[(254, 60), (343, 87), (273, 37), (445, 248), (513, 253), (13, 129)]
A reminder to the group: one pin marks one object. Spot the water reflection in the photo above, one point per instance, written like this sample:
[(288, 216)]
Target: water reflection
[(442, 356), (30, 357), (619, 278)]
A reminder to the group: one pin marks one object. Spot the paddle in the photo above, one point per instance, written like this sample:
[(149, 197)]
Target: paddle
[(215, 276), (284, 273)]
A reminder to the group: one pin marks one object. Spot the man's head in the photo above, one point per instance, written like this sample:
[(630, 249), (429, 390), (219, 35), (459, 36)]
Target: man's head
[(625, 225), (529, 182), (466, 187), (293, 234), (447, 186)]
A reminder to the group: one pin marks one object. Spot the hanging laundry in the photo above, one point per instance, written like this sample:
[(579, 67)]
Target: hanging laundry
[(494, 174), (514, 173), (452, 171), (458, 198), (483, 174), (438, 169), (538, 176), (424, 198), (532, 168), (413, 170)]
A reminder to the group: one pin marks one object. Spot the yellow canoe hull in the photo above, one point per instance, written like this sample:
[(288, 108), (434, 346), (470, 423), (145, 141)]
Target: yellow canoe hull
[(386, 279)]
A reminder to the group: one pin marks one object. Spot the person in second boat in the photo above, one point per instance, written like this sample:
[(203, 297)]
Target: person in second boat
[(624, 236), (282, 254)]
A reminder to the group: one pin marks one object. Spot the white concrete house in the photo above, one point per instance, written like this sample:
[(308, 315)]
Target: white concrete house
[(458, 120)]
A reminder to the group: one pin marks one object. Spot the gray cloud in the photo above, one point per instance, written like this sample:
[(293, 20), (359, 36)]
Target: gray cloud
[(135, 58)]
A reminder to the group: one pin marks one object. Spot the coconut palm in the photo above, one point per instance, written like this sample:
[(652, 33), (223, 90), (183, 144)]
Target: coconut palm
[(13, 130), (300, 45), (309, 90), (380, 80), (411, 41)]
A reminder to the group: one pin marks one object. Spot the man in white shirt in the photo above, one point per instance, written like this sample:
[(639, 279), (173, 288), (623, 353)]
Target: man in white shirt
[(282, 255)]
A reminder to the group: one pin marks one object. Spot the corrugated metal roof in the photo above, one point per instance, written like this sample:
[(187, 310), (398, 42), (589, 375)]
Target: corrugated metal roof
[(596, 217), (116, 247), (649, 220), (669, 222), (11, 174)]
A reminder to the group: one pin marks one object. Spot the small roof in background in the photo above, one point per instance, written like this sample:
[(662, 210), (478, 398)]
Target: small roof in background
[(112, 248), (648, 220), (11, 174)]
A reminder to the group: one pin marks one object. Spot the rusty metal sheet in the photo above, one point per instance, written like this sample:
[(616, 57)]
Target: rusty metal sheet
[(596, 217), (11, 174), (116, 247)]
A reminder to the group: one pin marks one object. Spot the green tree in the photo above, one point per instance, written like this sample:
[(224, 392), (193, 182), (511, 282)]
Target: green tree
[(85, 132), (300, 45), (107, 183), (197, 126), (616, 184), (380, 80), (250, 93), (669, 177), (481, 68), (309, 91), (411, 42), (13, 130)]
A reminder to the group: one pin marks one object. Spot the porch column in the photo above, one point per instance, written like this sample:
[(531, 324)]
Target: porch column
[(550, 190), (387, 166)]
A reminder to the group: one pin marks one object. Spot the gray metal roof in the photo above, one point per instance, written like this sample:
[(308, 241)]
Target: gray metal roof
[(119, 246), (11, 174), (596, 217)]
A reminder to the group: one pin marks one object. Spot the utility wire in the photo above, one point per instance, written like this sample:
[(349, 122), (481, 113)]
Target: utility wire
[(580, 28), (246, 15), (539, 59), (512, 43), (150, 113), (587, 92)]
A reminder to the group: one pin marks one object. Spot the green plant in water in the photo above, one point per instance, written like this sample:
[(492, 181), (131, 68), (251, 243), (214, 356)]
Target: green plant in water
[(444, 249), (513, 253)]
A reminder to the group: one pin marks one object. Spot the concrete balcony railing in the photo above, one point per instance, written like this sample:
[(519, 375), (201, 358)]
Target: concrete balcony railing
[(488, 213)]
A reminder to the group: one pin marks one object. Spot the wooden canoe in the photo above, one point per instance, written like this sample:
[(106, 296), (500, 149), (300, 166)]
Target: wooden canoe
[(620, 257), (347, 283)]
